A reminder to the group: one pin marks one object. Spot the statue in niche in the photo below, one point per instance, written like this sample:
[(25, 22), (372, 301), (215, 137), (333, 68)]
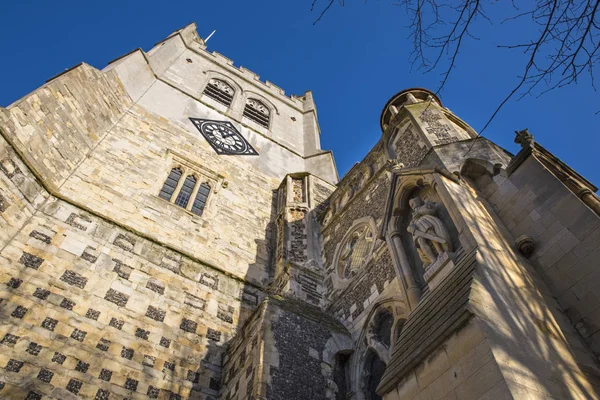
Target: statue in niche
[(428, 231)]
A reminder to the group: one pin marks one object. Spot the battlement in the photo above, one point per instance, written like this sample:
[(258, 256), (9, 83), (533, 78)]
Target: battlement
[(227, 62), (254, 77)]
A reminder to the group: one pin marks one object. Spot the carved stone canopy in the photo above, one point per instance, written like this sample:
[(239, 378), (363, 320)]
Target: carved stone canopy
[(403, 181)]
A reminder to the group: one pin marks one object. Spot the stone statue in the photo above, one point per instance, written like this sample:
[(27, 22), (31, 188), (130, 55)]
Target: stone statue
[(428, 231)]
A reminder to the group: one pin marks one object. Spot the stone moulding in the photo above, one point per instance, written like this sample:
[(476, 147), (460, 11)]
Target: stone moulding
[(440, 313), (400, 188)]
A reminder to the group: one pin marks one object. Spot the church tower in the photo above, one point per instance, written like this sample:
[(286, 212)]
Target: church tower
[(139, 209), (172, 229)]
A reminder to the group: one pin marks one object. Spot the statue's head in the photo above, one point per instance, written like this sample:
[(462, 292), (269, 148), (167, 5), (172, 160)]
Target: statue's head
[(415, 202)]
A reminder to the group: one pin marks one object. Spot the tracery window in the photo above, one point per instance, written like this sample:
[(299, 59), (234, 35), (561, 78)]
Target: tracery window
[(201, 198), (374, 369), (181, 194), (383, 333), (355, 250), (258, 112), (220, 91)]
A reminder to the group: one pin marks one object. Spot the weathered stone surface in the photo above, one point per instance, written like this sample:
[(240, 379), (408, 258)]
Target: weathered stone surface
[(114, 291)]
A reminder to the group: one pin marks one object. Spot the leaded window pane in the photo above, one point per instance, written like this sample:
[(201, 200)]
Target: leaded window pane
[(200, 200), (170, 184), (186, 191)]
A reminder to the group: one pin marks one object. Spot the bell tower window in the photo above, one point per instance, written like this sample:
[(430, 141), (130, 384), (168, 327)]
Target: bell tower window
[(256, 111), (219, 91)]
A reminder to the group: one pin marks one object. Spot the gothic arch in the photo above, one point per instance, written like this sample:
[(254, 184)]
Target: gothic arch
[(250, 94), (210, 74), (407, 186), (370, 346)]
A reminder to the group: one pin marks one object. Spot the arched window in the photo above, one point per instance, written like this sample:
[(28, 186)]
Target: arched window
[(258, 112), (201, 197), (170, 184), (383, 333), (186, 191), (341, 375), (220, 91), (374, 369)]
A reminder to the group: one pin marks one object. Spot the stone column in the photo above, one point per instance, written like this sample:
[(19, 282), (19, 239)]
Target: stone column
[(412, 289)]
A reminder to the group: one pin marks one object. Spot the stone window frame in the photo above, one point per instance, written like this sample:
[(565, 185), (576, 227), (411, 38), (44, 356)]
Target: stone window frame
[(338, 280), (200, 173), (212, 90), (251, 95), (237, 91)]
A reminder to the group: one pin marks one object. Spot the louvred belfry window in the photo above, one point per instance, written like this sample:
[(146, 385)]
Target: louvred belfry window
[(257, 112), (220, 91)]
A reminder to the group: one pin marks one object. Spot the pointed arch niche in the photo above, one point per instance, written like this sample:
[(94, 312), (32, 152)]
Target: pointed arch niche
[(417, 260), (374, 347)]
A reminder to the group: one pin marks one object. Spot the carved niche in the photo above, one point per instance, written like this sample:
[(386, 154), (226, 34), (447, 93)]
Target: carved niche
[(428, 235)]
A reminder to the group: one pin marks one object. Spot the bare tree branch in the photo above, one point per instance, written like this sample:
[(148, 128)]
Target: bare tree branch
[(565, 48)]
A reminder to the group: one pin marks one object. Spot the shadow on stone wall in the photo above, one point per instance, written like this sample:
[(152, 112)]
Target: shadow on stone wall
[(528, 340)]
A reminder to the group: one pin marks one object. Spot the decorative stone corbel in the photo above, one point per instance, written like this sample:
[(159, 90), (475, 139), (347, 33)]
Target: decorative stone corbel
[(524, 138), (525, 245)]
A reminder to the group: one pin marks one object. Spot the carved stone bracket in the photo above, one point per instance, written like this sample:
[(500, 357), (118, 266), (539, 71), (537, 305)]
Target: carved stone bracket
[(525, 245)]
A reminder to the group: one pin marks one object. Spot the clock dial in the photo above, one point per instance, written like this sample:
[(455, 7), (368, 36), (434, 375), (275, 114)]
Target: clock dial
[(223, 137)]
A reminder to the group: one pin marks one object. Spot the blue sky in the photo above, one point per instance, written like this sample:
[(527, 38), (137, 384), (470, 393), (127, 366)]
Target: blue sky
[(354, 60)]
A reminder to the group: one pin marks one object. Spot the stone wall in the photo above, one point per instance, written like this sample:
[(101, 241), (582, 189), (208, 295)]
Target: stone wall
[(531, 201), (285, 351), (123, 171), (360, 196), (20, 193), (91, 308), (107, 289), (242, 363), (59, 124), (355, 300), (300, 343), (463, 368)]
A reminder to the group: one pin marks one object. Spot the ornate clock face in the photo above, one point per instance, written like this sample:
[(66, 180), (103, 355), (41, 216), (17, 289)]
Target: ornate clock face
[(223, 137)]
